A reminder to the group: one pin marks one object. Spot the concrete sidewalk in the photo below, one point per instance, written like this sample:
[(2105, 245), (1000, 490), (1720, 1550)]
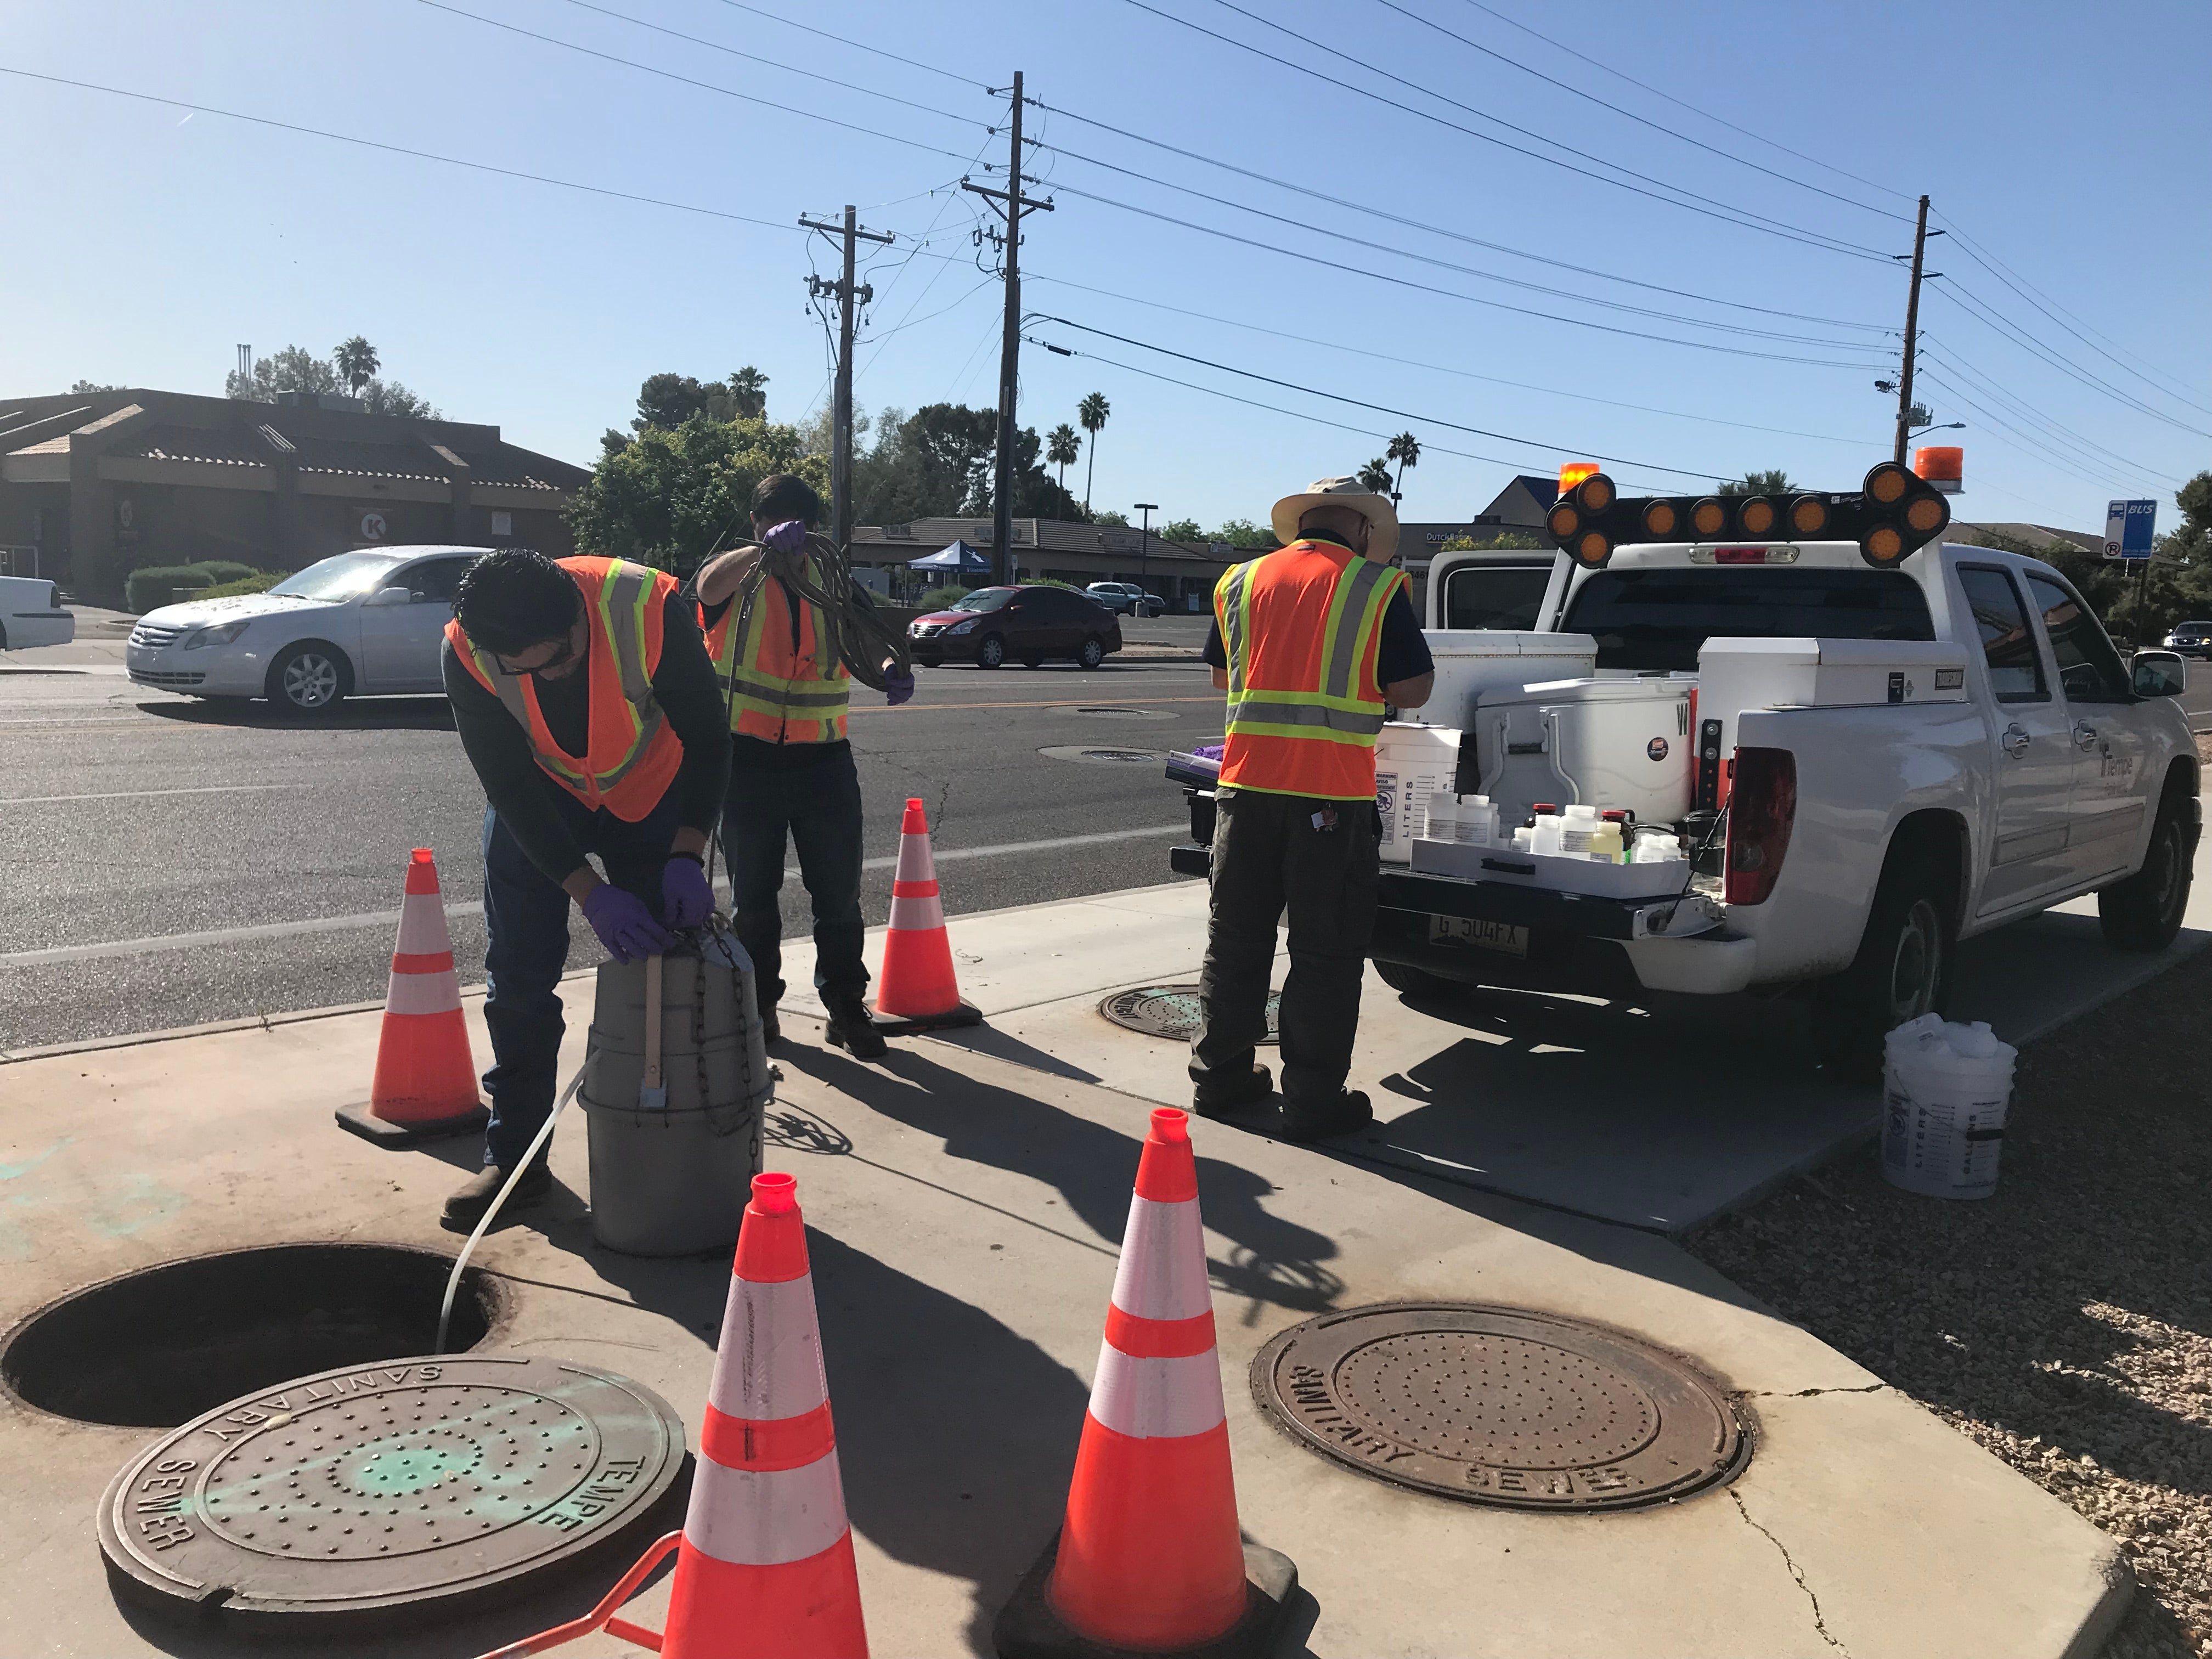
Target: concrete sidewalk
[(966, 1203)]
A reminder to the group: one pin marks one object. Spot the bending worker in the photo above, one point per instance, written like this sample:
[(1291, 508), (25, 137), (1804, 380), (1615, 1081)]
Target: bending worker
[(587, 705), (791, 767), (1310, 642)]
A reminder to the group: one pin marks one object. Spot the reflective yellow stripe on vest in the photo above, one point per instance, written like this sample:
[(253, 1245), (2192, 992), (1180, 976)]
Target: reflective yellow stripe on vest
[(804, 709), (1337, 710)]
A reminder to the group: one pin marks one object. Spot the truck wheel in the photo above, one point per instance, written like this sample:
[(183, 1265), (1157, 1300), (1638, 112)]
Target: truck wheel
[(1902, 971), (1419, 982), (2144, 913)]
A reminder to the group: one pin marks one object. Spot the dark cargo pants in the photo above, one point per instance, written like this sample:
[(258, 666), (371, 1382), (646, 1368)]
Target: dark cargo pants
[(1318, 859)]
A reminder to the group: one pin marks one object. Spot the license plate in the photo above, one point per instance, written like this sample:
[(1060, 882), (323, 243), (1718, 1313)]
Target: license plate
[(1499, 936)]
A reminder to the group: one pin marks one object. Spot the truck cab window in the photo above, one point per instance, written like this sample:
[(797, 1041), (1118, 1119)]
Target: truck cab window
[(1506, 596), (2008, 643), (2089, 669), (1656, 618)]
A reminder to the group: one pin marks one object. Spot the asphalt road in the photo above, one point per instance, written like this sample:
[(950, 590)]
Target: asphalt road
[(133, 821)]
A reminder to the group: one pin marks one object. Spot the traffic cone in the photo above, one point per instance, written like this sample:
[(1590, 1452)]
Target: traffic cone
[(764, 1563), (917, 990), (426, 1078), (1151, 1560)]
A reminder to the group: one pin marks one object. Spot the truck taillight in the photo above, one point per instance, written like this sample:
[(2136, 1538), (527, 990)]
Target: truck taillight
[(1762, 807)]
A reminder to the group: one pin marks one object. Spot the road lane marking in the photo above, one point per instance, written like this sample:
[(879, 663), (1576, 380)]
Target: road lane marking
[(1063, 702), (146, 794), (161, 942)]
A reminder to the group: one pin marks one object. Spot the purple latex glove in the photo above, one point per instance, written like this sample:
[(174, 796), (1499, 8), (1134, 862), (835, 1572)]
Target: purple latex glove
[(685, 898), (898, 686), (624, 926), (786, 537)]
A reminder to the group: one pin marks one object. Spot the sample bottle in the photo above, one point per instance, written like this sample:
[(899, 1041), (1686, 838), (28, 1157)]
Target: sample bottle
[(1444, 815), (1575, 826), (1476, 828), (1546, 839), (1605, 842)]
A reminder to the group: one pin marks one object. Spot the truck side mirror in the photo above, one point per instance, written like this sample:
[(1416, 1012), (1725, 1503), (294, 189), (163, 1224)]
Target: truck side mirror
[(2160, 673)]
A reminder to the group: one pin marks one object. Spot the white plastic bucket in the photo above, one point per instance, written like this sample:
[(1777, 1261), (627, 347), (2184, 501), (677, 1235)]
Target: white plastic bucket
[(1945, 1091)]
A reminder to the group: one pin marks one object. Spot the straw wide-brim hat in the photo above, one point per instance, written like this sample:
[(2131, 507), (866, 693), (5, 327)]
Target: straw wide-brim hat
[(1382, 517)]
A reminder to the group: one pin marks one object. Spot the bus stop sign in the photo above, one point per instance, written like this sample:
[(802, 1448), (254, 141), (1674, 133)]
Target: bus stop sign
[(2128, 529)]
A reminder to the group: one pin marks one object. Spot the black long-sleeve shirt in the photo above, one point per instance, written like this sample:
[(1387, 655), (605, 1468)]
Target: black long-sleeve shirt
[(525, 797)]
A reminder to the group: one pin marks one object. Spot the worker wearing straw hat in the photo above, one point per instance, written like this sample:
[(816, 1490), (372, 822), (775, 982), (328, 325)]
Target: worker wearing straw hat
[(1310, 642)]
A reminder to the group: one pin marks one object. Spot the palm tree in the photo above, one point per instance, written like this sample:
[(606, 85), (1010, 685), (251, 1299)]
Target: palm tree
[(748, 394), (1774, 481), (1376, 475), (1406, 450), (357, 362), (1061, 447), (1092, 412)]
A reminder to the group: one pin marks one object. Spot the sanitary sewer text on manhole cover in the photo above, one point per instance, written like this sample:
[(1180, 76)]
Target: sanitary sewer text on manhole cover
[(1500, 1405), (370, 1491), (1084, 754), (1171, 1010)]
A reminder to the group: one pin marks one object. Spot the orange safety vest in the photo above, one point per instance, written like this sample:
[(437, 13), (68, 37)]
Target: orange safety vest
[(1302, 627), (777, 690), (634, 753)]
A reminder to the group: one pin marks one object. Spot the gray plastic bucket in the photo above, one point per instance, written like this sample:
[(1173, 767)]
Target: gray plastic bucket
[(674, 1180)]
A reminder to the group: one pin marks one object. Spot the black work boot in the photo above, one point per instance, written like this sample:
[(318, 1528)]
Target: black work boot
[(1220, 1100), (1341, 1116), (468, 1205), (851, 1028), (771, 1027)]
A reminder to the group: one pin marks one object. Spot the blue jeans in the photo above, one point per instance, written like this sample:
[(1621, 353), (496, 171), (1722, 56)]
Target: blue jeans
[(815, 799), (527, 914)]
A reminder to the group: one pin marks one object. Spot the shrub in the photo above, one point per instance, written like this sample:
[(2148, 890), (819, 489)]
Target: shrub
[(943, 599), (148, 587), (259, 582)]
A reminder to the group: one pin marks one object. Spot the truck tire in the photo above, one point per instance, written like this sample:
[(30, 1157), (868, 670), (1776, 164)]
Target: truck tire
[(2144, 912), (1903, 969), (1419, 982)]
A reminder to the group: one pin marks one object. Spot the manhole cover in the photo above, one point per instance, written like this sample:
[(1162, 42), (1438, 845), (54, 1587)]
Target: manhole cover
[(368, 1491), (1500, 1405), (1089, 756), (1171, 1010)]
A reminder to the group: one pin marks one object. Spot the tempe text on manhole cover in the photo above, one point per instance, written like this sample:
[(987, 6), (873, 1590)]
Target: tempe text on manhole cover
[(354, 1497), (1171, 1010), (1086, 755), (1500, 1405)]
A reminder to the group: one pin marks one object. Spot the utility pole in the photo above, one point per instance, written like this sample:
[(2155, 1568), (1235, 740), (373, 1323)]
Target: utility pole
[(1145, 540), (1912, 333), (850, 297), (1012, 204)]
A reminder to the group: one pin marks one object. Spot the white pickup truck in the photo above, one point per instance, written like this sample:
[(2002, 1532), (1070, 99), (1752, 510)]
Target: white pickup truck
[(1867, 765)]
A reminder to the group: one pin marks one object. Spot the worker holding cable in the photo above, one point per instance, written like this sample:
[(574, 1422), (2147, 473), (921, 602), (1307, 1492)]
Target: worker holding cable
[(789, 634), (587, 705)]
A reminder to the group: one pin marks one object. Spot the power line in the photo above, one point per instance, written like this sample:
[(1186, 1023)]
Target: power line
[(1453, 294), (1361, 403), (1309, 227), (1582, 55), (1591, 97), (2037, 448), (1442, 369), (1739, 217), (860, 46), (707, 86), (1433, 229), (1981, 381)]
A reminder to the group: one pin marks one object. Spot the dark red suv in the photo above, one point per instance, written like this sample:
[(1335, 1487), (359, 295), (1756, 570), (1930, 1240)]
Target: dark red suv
[(1028, 623)]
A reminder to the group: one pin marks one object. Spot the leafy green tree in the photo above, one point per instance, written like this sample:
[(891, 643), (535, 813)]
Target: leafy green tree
[(357, 362), (85, 388), (1060, 449), (1181, 530), (1774, 481), (1375, 476), (670, 496), (1119, 520), (937, 462), (1243, 533), (1092, 412), (1406, 450), (295, 368), (1498, 544)]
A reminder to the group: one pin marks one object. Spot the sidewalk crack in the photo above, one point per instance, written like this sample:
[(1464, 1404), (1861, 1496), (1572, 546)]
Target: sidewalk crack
[(1820, 1623), (1803, 1394)]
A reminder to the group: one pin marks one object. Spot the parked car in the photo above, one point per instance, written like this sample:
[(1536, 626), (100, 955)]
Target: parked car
[(372, 622), (2190, 639), (1127, 600), (1028, 623), (31, 614)]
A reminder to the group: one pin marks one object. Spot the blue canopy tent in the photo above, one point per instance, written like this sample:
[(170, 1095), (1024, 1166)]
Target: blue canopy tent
[(959, 559)]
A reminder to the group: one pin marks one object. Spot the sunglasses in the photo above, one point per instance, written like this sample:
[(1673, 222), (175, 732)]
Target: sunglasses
[(565, 648)]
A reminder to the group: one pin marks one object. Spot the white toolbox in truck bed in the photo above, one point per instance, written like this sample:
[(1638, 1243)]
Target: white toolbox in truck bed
[(1735, 675)]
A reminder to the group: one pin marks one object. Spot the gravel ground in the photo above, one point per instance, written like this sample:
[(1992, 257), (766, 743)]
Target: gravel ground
[(2066, 1323)]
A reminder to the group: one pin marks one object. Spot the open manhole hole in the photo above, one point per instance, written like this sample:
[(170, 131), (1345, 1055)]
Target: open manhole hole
[(1085, 755), (1171, 1010), (158, 1346), (1500, 1405), (386, 1494), (1101, 712)]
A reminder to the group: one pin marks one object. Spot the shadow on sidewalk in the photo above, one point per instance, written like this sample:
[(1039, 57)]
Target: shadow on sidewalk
[(1093, 1167)]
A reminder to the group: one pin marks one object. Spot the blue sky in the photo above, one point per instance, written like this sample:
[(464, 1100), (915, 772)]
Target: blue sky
[(142, 240)]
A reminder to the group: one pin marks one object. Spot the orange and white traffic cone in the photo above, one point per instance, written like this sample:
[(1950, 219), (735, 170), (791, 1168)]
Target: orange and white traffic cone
[(426, 1076), (917, 990), (1151, 1560), (764, 1563)]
